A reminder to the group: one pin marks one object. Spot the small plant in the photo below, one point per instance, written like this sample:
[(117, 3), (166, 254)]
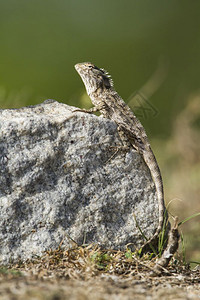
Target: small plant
[(6, 271), (101, 260), (162, 240), (182, 239)]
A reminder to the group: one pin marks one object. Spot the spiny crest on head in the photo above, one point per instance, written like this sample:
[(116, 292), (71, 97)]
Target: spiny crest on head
[(94, 77), (108, 76)]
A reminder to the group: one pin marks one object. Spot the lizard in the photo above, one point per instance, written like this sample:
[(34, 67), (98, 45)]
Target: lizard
[(106, 100)]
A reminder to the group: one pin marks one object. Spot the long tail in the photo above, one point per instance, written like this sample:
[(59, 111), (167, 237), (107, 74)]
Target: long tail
[(151, 162)]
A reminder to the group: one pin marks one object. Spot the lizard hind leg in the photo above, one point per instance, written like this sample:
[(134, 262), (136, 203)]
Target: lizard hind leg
[(125, 145)]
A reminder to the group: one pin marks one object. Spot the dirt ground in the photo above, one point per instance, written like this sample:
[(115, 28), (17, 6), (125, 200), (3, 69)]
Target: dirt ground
[(176, 286), (89, 273)]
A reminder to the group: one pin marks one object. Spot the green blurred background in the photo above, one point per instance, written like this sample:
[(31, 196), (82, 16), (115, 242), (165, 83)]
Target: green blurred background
[(149, 46)]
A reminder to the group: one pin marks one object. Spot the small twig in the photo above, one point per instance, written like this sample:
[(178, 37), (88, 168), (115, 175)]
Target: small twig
[(172, 247)]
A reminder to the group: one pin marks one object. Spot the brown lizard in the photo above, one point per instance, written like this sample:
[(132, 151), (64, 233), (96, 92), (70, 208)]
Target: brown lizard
[(105, 99)]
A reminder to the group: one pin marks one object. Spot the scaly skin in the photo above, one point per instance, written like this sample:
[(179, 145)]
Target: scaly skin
[(105, 99)]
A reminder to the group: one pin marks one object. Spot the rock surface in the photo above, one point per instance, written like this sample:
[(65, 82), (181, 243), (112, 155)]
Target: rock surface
[(59, 180)]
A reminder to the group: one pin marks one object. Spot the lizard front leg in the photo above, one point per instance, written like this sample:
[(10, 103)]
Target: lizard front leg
[(92, 109), (89, 111)]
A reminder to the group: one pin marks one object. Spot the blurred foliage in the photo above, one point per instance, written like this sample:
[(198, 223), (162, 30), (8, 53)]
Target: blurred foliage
[(180, 163), (152, 50), (42, 40)]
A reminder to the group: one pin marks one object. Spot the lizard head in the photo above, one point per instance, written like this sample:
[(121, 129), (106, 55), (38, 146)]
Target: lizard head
[(93, 77)]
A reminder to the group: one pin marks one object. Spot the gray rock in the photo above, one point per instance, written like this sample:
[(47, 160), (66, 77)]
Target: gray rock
[(61, 178)]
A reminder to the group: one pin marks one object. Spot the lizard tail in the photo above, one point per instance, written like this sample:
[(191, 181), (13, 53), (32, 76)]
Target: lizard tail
[(151, 162)]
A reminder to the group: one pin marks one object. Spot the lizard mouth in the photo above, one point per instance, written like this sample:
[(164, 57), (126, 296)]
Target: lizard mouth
[(77, 67)]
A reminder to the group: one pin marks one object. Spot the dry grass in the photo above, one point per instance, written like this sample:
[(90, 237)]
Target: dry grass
[(92, 273)]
